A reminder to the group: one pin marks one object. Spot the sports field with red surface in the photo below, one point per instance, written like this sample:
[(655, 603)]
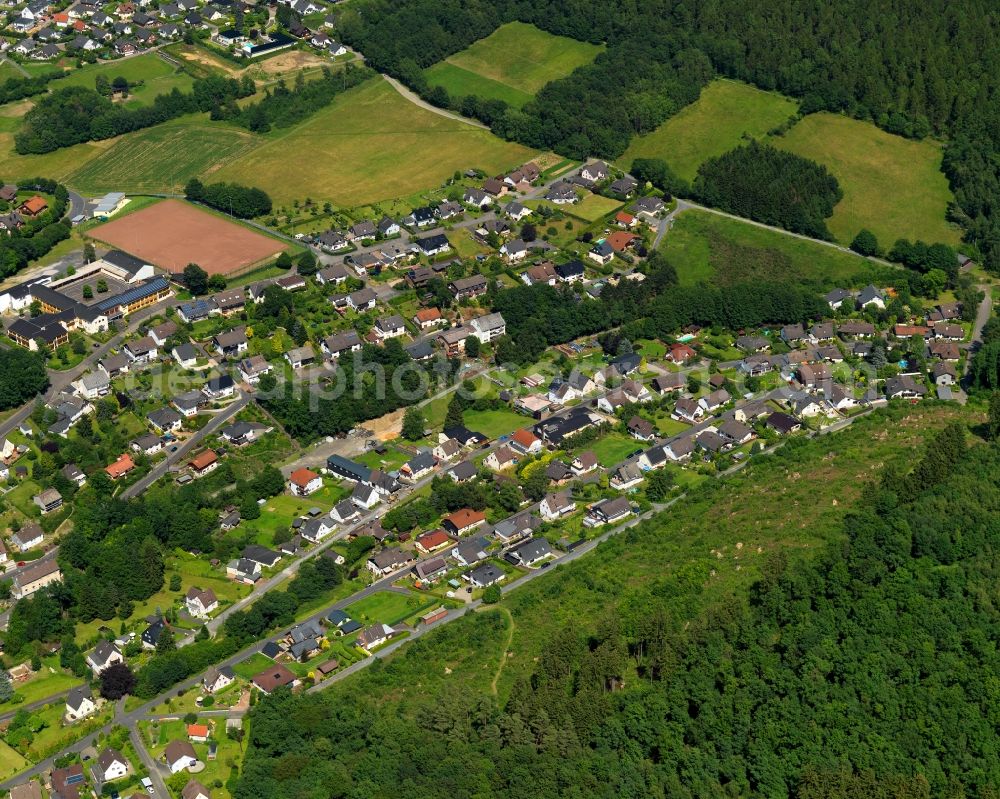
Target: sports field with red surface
[(173, 233)]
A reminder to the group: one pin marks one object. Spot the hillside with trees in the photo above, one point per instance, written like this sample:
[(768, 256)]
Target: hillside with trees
[(865, 670)]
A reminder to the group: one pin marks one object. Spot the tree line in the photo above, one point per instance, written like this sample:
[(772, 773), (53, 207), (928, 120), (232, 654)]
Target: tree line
[(245, 202), (282, 107), (539, 316), (812, 688), (74, 114), (14, 89)]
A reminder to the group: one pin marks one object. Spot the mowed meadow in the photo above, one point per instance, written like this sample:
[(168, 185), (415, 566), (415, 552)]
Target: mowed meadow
[(892, 186), (511, 64), (369, 144), (726, 113)]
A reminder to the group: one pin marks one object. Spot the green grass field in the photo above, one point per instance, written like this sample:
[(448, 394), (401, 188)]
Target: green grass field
[(157, 75), (706, 247), (593, 206), (512, 63), (254, 664), (388, 607), (892, 186), (163, 158), (494, 423), (460, 82), (370, 144), (613, 448), (726, 112), (10, 762)]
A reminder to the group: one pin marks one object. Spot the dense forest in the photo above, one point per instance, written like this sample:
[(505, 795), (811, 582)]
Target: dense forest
[(865, 671), (760, 182), (22, 377), (912, 68), (75, 114)]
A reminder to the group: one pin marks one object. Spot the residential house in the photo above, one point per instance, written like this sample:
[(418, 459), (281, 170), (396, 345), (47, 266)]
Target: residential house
[(303, 482), (561, 193), (626, 476), (488, 327), (80, 703), (608, 511), (272, 678), (688, 409), (339, 343), (243, 570), (532, 551), (253, 368), (200, 602), (471, 551), (48, 500), (204, 463), (904, 387), (870, 296), (641, 429), (374, 636), (93, 385), (219, 387), (195, 790), (216, 679), (469, 287), (28, 537), (836, 298), (712, 402), (432, 246), (484, 575), (111, 765), (389, 560), (179, 755), (428, 317), (300, 356), (390, 327), (267, 558), (166, 419), (419, 465), (103, 655), (555, 506), (503, 457), (570, 272), (186, 355), (463, 521), (231, 343), (432, 541), (525, 442), (147, 444), (36, 576), (362, 300)]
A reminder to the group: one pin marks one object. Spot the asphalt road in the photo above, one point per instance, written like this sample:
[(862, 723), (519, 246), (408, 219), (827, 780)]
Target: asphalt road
[(185, 449)]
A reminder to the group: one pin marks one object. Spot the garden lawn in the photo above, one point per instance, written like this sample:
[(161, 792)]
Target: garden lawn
[(369, 144), (892, 186), (613, 448), (157, 75), (706, 247), (253, 665), (719, 120), (592, 207), (494, 424), (11, 762), (522, 57), (388, 607)]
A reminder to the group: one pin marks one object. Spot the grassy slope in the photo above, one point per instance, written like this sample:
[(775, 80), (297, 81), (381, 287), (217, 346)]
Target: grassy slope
[(157, 75), (892, 186), (726, 111), (523, 57), (704, 551), (461, 82), (369, 144), (712, 248), (163, 158)]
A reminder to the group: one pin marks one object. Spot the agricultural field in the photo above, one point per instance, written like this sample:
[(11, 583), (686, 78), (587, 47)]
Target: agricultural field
[(369, 144), (706, 247), (726, 113), (518, 56), (156, 75), (892, 186), (161, 159), (460, 82)]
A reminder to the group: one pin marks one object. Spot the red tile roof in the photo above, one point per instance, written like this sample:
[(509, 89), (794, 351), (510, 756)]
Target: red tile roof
[(122, 466), (204, 460), (302, 477)]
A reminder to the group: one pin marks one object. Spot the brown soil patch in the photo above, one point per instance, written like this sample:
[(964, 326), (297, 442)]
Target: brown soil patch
[(173, 234), (290, 61), (387, 427)]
